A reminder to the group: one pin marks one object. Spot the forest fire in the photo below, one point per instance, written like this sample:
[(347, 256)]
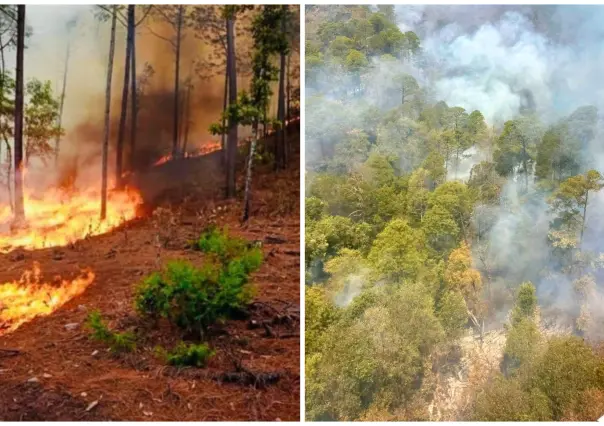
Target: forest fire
[(23, 300), (61, 218), (210, 146), (205, 148)]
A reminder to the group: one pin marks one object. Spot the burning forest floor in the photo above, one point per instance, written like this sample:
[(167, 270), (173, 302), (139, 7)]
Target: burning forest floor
[(51, 370)]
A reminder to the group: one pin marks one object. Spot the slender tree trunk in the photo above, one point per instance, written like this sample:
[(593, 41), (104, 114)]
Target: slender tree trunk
[(248, 177), (62, 103), (107, 112), (177, 84), (287, 94), (282, 141), (525, 165), (583, 221), (265, 123), (223, 156), (187, 116), (9, 155), (134, 102), (124, 113), (232, 136), (19, 204)]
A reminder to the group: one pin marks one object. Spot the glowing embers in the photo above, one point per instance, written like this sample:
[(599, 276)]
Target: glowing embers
[(60, 218), (23, 300)]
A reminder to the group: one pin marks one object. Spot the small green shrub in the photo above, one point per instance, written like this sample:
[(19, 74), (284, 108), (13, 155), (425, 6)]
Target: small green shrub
[(194, 355), (218, 242), (118, 342), (193, 298), (226, 248)]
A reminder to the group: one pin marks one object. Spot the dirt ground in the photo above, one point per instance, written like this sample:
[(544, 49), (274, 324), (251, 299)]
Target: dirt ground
[(58, 373)]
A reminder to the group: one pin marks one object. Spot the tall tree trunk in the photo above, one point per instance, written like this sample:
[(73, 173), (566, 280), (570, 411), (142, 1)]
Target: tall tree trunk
[(288, 89), (9, 173), (62, 103), (134, 102), (232, 136), (19, 204), (124, 113), (282, 142), (177, 84), (9, 155), (248, 177), (187, 114), (583, 221), (525, 165), (223, 156), (107, 112)]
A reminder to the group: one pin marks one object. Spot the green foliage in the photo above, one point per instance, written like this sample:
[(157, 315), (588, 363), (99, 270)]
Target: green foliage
[(391, 210), (486, 182), (398, 252), (314, 210), (374, 354), (117, 342), (191, 355), (526, 303), (567, 368), (452, 313), (521, 345), (340, 232), (41, 112), (192, 298), (269, 40), (505, 400), (321, 313), (516, 146), (570, 201), (355, 61), (349, 152), (227, 248)]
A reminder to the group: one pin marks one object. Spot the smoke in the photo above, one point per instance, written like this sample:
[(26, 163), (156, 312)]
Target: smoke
[(53, 30), (503, 60), (500, 59)]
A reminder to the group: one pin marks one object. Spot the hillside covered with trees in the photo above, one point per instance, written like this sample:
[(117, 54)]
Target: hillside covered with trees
[(454, 264)]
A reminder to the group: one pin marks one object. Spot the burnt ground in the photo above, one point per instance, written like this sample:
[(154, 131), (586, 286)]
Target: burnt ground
[(59, 373)]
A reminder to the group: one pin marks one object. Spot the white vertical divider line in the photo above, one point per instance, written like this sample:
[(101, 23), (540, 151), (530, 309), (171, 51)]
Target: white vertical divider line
[(302, 209)]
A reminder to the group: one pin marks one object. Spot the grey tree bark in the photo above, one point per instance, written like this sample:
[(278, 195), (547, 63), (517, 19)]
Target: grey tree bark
[(62, 103), (232, 134), (19, 204), (134, 103), (107, 117), (175, 150), (124, 113)]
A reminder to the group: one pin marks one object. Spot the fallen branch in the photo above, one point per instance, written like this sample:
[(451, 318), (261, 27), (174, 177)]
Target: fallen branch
[(247, 378), (9, 352)]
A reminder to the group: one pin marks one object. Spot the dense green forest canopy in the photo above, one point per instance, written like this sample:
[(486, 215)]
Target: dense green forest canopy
[(453, 263)]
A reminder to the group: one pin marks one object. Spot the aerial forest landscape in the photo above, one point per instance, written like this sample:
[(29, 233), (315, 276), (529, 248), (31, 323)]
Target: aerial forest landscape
[(149, 212), (454, 213)]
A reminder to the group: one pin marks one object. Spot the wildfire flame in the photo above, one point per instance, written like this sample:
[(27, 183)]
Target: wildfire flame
[(23, 300), (210, 146), (61, 218)]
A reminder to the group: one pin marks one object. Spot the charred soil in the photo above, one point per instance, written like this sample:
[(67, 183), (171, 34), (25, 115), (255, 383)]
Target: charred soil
[(50, 369)]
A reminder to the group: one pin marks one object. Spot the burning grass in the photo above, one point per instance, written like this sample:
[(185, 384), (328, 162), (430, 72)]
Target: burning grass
[(60, 218), (23, 300)]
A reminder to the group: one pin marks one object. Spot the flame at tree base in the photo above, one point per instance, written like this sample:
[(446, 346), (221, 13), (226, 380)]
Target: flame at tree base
[(23, 300), (61, 218)]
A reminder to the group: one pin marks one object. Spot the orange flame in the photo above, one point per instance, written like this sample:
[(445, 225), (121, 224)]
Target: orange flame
[(210, 146), (60, 218), (28, 298)]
